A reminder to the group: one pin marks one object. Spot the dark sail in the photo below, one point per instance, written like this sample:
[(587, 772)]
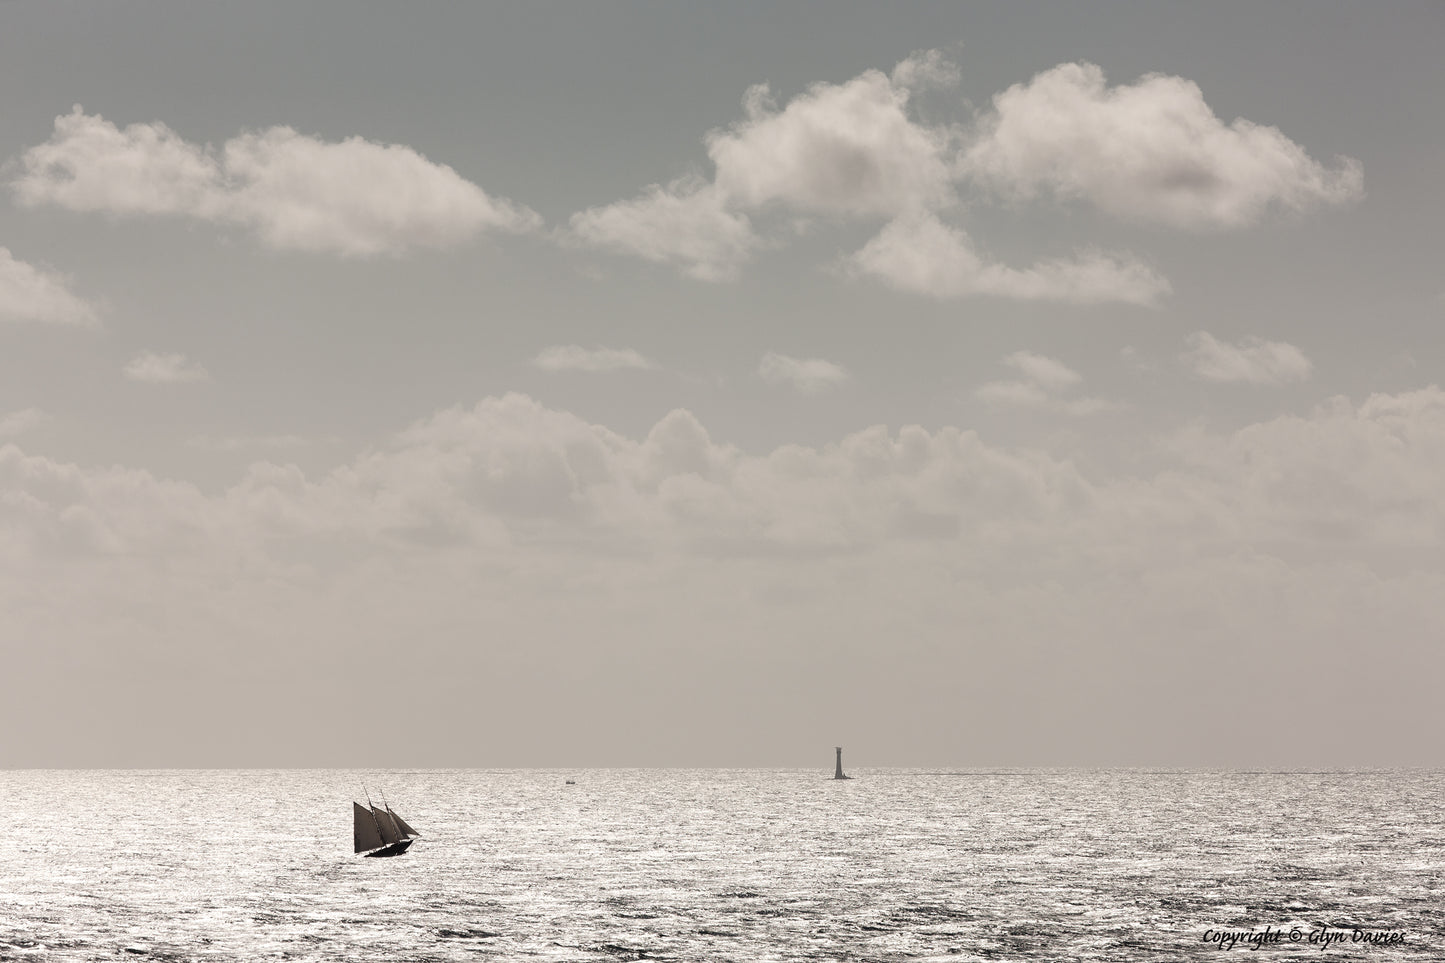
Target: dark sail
[(367, 836), (401, 824), (389, 832)]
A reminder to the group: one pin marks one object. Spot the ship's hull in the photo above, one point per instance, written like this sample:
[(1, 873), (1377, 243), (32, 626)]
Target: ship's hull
[(393, 849)]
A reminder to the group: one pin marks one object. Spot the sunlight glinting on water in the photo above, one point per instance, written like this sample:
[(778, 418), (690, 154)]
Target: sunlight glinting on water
[(705, 865)]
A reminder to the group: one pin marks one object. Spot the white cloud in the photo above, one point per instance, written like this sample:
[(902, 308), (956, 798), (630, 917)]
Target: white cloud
[(90, 165), (509, 472), (922, 255), (844, 149), (1052, 374), (1022, 394), (1046, 378), (353, 197), (1251, 359), (854, 150), (685, 224), (1307, 540), (29, 293), (19, 422), (154, 368), (807, 375), (1345, 474), (1153, 151), (573, 357)]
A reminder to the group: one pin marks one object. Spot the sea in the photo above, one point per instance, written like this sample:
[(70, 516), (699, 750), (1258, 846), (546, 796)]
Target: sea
[(726, 864)]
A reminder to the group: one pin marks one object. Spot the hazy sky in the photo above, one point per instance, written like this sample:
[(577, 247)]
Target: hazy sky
[(680, 384)]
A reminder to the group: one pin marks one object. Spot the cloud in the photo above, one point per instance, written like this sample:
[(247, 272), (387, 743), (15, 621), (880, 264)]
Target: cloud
[(19, 422), (509, 473), (29, 293), (154, 368), (572, 357), (1305, 540), (1151, 151), (1051, 374), (922, 255), (926, 69), (355, 197), (1045, 378), (1022, 394), (855, 150), (845, 149), (807, 375), (1346, 473), (1251, 359), (684, 224)]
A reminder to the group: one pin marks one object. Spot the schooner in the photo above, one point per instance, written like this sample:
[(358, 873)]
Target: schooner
[(381, 832)]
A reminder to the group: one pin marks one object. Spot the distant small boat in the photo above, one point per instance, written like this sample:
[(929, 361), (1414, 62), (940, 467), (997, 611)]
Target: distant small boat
[(571, 782), (838, 769), (381, 832)]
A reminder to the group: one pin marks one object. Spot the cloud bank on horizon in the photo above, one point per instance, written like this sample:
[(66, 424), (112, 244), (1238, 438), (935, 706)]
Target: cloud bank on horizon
[(510, 514), (510, 473)]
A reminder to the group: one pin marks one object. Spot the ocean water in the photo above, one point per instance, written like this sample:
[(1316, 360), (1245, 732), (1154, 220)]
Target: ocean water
[(715, 865)]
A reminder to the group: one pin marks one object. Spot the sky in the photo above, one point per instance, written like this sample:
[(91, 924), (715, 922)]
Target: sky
[(644, 384)]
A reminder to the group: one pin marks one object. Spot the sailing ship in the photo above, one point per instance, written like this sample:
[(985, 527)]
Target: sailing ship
[(381, 832)]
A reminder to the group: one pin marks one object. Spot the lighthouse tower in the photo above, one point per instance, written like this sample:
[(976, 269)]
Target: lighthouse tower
[(838, 769)]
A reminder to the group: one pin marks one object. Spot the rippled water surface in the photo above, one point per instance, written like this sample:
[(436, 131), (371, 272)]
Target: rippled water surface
[(714, 865)]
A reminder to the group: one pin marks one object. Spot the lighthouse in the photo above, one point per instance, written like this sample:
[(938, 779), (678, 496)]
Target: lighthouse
[(838, 769)]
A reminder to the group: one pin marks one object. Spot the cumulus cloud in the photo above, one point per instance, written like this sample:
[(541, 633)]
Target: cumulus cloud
[(18, 422), (29, 293), (856, 150), (1344, 473), (1251, 359), (1044, 379), (155, 368), (1153, 150), (353, 197), (1305, 540), (922, 255), (685, 224), (509, 471), (847, 150), (573, 357), (807, 375), (841, 149)]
